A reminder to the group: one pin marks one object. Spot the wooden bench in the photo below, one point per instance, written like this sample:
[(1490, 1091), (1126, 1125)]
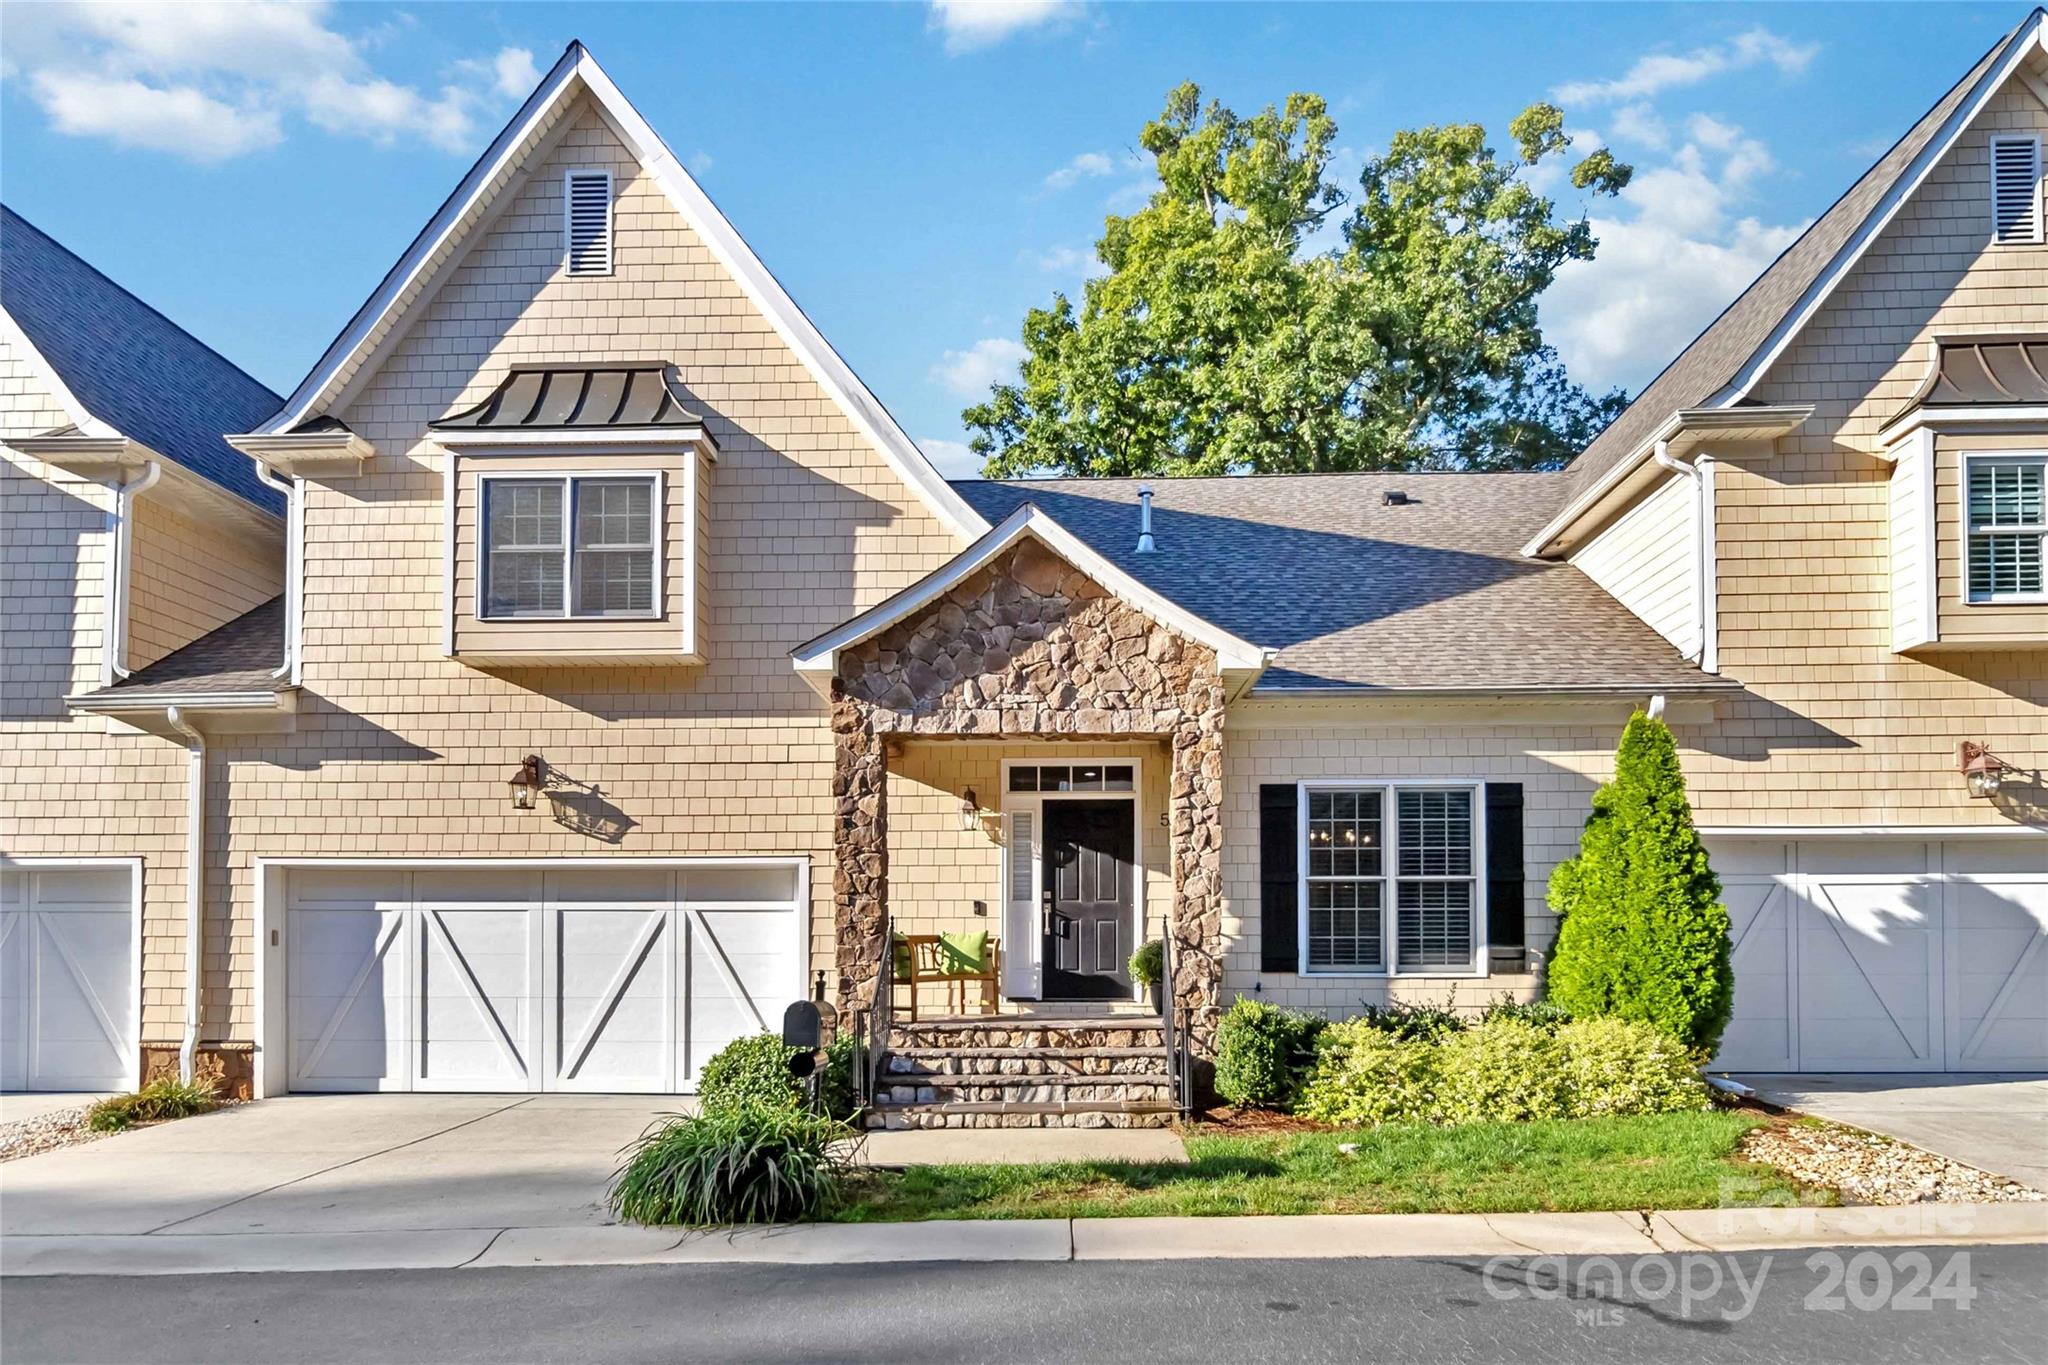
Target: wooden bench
[(930, 966)]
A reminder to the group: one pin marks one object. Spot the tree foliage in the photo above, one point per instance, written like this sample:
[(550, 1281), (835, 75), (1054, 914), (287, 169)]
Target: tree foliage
[(1643, 933), (1233, 333)]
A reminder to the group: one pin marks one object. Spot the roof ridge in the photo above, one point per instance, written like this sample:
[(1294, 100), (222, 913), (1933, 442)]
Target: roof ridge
[(7, 212)]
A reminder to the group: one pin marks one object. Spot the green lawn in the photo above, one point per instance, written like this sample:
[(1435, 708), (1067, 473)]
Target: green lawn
[(1667, 1161)]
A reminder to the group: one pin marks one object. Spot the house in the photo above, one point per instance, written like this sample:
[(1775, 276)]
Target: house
[(633, 671)]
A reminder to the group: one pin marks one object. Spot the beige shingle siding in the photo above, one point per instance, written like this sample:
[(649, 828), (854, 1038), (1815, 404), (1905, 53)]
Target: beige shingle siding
[(1964, 622), (402, 752), (1840, 730), (185, 579), (1647, 560)]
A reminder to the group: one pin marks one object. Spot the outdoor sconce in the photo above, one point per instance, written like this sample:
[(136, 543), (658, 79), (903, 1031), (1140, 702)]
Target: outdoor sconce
[(526, 783), (970, 811), (1981, 768)]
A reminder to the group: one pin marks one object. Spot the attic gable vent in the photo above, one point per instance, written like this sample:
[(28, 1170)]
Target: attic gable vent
[(2016, 189), (587, 222)]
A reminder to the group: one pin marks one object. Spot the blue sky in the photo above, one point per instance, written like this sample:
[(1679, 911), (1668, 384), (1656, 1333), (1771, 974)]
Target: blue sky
[(919, 175)]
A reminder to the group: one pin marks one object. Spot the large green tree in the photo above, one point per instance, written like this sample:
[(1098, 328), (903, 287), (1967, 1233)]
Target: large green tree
[(1223, 340)]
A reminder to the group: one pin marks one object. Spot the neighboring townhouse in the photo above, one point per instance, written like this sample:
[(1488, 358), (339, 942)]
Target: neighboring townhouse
[(128, 529), (639, 671)]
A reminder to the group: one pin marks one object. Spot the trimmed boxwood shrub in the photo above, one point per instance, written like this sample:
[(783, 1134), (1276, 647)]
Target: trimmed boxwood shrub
[(752, 1070), (1262, 1052), (748, 1163), (1643, 934)]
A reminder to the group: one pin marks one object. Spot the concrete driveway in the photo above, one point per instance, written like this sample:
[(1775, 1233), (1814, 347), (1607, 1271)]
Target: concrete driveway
[(338, 1163), (1996, 1122)]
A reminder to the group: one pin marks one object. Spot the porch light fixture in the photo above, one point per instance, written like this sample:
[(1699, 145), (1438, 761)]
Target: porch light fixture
[(1981, 769), (970, 811), (526, 783)]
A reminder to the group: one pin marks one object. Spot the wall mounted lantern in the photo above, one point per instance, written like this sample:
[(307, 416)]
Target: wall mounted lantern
[(526, 783), (1981, 769), (970, 811)]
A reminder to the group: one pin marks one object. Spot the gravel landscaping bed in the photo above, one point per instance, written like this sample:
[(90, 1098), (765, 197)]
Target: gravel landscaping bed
[(1868, 1169), (46, 1133)]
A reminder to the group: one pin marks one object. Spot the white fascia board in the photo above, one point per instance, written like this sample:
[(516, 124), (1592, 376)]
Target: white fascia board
[(2029, 37), (1958, 419), (52, 382), (283, 699), (575, 72), (820, 656), (1870, 831)]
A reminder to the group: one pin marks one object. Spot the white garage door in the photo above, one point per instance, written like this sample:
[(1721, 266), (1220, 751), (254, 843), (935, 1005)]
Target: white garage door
[(1887, 954), (67, 979), (623, 979)]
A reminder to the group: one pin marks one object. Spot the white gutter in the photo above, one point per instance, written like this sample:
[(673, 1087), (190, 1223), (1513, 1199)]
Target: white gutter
[(195, 884), (115, 653), (1705, 592), (294, 573)]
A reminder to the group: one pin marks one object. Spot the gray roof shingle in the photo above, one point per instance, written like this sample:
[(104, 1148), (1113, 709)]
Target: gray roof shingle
[(1434, 595), (1714, 358), (132, 367), (241, 656)]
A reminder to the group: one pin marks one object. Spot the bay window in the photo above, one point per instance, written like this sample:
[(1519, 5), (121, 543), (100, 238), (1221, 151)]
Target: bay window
[(1390, 878), (2006, 525), (573, 546)]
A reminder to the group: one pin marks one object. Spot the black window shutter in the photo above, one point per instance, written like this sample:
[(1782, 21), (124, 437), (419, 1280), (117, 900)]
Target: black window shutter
[(1504, 877), (1279, 887)]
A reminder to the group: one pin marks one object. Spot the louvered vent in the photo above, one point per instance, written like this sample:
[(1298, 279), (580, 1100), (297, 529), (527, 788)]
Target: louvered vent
[(2016, 189), (588, 230)]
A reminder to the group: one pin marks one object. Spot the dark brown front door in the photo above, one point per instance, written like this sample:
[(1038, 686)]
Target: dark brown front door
[(1089, 889)]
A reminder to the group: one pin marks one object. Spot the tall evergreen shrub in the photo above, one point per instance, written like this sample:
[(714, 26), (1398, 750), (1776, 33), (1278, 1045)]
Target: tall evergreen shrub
[(1643, 933)]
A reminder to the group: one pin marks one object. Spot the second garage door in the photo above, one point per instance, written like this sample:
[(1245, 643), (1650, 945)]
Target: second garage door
[(619, 980), (1887, 954)]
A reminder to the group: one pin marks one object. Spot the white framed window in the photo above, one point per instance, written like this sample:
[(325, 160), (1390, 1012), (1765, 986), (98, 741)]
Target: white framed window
[(587, 222), (2005, 527), (1390, 878), (572, 546), (2016, 190)]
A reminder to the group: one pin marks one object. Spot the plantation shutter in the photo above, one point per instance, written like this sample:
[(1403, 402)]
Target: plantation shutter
[(2016, 189), (1504, 934), (587, 226), (1279, 878)]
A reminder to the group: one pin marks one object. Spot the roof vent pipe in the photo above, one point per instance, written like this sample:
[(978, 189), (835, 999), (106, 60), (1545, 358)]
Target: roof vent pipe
[(1145, 545)]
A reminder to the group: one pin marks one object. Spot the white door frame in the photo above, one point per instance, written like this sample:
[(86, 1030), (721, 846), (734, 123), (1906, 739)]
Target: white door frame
[(10, 863), (273, 1019), (1035, 801)]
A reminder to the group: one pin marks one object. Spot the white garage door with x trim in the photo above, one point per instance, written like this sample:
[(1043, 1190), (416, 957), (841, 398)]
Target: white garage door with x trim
[(67, 979), (620, 979)]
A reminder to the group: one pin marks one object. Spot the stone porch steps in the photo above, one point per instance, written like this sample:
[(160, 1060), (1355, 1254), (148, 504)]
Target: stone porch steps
[(1011, 1072)]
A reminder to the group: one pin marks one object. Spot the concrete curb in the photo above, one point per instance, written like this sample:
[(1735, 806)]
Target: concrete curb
[(1051, 1239)]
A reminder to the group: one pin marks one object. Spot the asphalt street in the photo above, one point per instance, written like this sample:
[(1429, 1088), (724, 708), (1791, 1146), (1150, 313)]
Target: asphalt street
[(1891, 1304)]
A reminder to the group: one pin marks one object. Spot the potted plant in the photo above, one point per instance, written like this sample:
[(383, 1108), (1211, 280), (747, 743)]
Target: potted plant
[(1148, 969)]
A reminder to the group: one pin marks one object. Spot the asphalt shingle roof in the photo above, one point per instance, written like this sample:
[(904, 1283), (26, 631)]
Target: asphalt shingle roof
[(241, 656), (1357, 594), (132, 367), (1714, 358)]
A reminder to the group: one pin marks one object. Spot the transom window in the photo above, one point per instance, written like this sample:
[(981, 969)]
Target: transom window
[(1075, 777), (1368, 847), (2007, 525), (570, 545)]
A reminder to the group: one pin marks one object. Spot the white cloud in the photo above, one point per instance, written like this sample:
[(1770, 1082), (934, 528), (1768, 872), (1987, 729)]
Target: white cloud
[(1668, 70), (1638, 123), (970, 373), (132, 114), (971, 24), (211, 81), (1673, 253), (1070, 260), (954, 459), (701, 161), (1088, 165)]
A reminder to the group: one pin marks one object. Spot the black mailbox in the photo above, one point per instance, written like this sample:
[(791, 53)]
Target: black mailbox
[(803, 1027)]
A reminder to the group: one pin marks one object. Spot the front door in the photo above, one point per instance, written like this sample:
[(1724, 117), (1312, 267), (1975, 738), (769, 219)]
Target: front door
[(1088, 897)]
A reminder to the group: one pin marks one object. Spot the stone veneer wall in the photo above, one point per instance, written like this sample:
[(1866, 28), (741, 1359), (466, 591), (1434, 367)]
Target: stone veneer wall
[(1026, 647)]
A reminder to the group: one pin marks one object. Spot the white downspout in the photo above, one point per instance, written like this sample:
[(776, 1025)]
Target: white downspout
[(294, 531), (1700, 472), (125, 494), (195, 884)]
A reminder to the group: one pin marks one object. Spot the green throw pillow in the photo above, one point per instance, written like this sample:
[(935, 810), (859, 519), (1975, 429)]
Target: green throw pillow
[(900, 968), (964, 954)]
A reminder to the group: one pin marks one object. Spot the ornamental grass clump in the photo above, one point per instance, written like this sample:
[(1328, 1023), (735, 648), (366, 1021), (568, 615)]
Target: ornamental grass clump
[(751, 1163), (164, 1098)]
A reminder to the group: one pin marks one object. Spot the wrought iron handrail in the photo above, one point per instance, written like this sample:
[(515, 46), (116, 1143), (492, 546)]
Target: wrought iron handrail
[(1173, 1030)]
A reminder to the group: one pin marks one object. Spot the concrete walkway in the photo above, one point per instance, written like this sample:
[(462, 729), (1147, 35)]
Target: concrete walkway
[(1053, 1239), (1997, 1122)]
